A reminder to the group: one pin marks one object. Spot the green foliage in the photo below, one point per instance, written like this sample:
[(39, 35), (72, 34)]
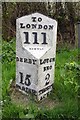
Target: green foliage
[(10, 110), (65, 111), (30, 112), (67, 72), (71, 75), (8, 65), (8, 51), (64, 13)]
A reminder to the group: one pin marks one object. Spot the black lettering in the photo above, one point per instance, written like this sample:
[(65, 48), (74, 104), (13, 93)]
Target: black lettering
[(39, 26), (21, 59), (45, 89), (41, 98), (47, 78), (34, 61), (23, 88), (34, 92), (47, 60), (41, 62), (34, 26), (52, 59), (26, 38), (28, 26), (50, 27), (27, 80), (44, 68), (17, 59), (45, 27), (35, 38), (44, 38), (25, 60), (26, 89), (33, 19), (47, 68), (21, 25), (50, 67), (39, 19), (30, 61), (21, 78)]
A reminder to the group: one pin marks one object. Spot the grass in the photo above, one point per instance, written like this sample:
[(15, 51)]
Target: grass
[(61, 74), (0, 77), (8, 65), (65, 90)]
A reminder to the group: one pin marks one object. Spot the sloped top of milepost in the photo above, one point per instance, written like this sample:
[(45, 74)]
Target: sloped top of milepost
[(36, 14), (38, 33)]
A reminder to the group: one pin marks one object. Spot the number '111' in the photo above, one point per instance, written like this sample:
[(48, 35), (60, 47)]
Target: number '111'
[(35, 41)]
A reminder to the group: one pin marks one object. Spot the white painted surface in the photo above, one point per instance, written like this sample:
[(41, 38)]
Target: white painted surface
[(35, 62)]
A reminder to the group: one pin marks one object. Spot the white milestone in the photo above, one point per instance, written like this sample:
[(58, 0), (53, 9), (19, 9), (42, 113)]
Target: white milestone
[(35, 54)]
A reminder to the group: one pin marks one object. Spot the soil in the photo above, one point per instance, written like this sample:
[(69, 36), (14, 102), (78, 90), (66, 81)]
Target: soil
[(24, 100)]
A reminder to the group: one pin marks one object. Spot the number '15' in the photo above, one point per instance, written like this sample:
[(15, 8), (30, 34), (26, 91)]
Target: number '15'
[(35, 40)]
